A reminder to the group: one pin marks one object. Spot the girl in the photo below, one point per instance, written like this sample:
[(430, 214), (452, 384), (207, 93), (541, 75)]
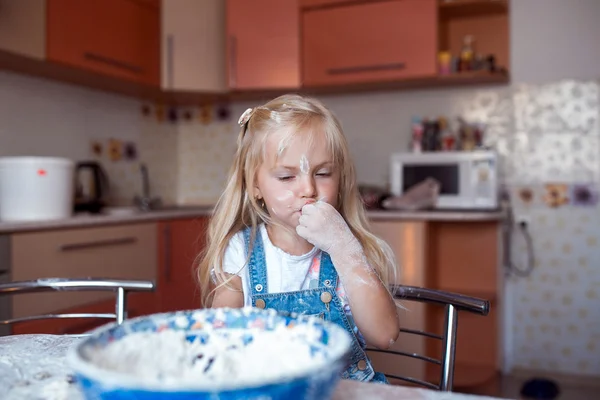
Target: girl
[(289, 231)]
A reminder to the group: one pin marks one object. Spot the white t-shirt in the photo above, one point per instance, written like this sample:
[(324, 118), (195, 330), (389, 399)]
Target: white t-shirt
[(285, 272)]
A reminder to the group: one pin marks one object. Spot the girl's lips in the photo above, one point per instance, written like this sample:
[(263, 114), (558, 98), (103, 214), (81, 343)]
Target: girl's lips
[(308, 202)]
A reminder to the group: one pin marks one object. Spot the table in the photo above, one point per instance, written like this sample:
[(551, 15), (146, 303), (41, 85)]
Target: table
[(34, 367)]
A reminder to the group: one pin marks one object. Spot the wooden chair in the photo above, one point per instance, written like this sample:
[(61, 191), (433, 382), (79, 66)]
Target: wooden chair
[(453, 303)]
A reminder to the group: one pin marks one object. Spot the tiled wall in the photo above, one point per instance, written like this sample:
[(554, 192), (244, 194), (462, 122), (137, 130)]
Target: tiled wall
[(555, 150)]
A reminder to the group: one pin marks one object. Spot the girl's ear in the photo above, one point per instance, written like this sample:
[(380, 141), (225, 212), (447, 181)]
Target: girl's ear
[(257, 194)]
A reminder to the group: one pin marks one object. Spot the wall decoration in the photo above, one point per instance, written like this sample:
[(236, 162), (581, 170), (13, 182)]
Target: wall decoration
[(173, 115), (159, 112), (188, 115), (223, 112), (130, 151), (146, 110), (557, 195), (583, 195), (526, 195), (205, 114), (115, 149), (97, 148)]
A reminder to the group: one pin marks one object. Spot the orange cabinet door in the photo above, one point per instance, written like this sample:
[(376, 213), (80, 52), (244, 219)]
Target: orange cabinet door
[(263, 50), (120, 38), (368, 42), (180, 242), (23, 27)]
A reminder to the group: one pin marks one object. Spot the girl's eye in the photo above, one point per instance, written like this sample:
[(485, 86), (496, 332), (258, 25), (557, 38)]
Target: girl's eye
[(285, 178), (324, 174)]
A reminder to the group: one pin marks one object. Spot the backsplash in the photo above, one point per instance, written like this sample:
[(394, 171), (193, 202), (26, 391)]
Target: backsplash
[(205, 154), (553, 171)]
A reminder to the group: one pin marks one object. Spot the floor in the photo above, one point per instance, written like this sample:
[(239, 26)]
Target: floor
[(510, 388)]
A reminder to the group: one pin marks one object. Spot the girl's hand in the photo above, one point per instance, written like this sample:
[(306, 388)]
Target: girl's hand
[(372, 306), (322, 225)]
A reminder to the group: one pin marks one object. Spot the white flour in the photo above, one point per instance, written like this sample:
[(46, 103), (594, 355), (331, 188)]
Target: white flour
[(167, 357), (32, 367)]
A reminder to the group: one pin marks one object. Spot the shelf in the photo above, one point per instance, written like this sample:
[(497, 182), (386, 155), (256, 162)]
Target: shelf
[(43, 69), (470, 8), (465, 79)]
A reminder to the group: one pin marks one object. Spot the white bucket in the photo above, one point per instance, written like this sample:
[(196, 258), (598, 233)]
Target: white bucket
[(36, 188)]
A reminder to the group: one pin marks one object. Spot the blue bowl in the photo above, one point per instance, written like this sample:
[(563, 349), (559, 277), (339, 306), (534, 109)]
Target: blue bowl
[(330, 341)]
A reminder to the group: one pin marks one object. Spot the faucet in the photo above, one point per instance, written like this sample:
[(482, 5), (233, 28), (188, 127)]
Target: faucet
[(145, 202)]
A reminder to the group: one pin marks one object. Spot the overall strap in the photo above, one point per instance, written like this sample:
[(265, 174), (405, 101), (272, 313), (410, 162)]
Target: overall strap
[(257, 267), (328, 276)]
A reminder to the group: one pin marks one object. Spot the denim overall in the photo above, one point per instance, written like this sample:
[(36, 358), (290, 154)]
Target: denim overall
[(322, 301)]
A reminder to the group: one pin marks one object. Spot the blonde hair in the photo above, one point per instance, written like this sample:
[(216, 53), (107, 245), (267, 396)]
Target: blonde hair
[(237, 208)]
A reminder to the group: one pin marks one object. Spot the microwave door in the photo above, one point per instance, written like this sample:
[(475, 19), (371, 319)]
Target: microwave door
[(448, 176)]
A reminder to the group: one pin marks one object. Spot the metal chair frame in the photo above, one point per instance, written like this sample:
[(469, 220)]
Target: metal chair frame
[(453, 303), (120, 287)]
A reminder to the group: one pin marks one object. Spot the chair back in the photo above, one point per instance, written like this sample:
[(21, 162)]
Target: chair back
[(120, 287), (453, 303)]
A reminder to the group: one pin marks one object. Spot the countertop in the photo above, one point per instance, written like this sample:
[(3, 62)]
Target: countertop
[(34, 367), (129, 216)]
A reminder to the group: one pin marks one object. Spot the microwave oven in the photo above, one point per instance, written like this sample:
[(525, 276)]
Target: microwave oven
[(468, 180)]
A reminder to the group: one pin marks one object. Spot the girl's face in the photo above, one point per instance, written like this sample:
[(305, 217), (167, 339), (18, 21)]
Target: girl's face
[(290, 177)]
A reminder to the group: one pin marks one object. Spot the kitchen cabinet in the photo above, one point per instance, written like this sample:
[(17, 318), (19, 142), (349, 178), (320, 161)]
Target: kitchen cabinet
[(179, 244), (193, 45), (408, 241), (487, 22), (263, 44), (23, 27), (118, 252), (369, 42), (118, 38), (455, 266), (439, 255)]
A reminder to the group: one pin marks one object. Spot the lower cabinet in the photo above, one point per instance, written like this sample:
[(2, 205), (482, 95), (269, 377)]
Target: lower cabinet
[(164, 252)]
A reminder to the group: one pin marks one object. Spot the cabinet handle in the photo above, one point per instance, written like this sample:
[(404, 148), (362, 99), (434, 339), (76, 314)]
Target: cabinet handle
[(170, 58), (113, 63), (366, 68), (98, 243), (167, 253), (233, 61)]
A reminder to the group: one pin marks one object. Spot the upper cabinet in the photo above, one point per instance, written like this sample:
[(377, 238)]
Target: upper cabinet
[(191, 52), (119, 38), (193, 45), (263, 44), (23, 27), (481, 27), (368, 41)]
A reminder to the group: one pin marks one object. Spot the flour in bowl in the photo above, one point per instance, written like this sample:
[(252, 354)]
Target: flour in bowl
[(229, 355)]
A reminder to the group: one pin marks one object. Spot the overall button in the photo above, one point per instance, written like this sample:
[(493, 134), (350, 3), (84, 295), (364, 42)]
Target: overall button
[(327, 283), (362, 365), (259, 287), (260, 303), (326, 297)]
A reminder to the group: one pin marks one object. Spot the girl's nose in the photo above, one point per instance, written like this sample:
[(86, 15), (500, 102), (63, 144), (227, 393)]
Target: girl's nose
[(307, 186)]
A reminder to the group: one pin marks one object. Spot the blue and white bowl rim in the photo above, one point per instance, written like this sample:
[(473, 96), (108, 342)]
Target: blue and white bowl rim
[(339, 346)]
